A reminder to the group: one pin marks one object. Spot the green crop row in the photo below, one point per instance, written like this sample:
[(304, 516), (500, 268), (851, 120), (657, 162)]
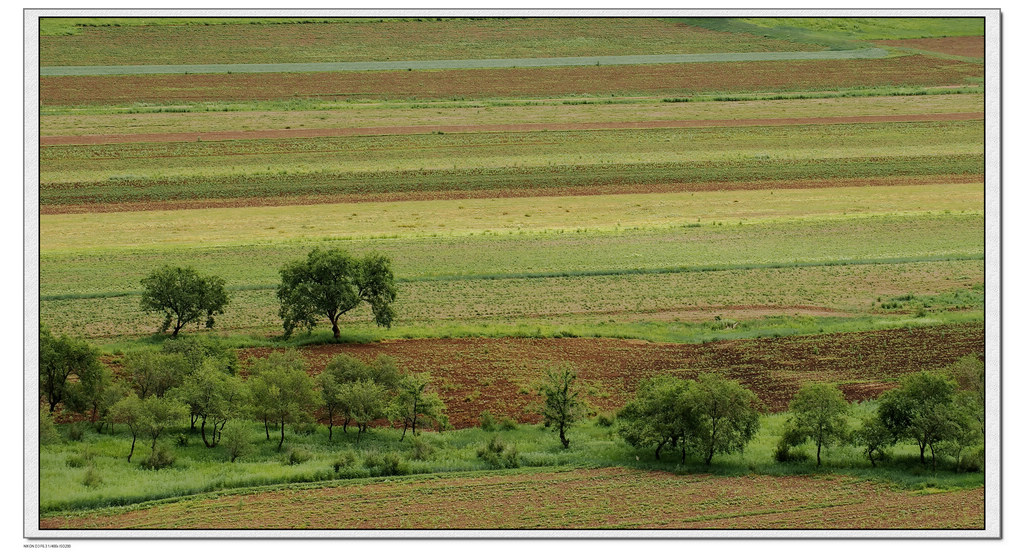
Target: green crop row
[(533, 178)]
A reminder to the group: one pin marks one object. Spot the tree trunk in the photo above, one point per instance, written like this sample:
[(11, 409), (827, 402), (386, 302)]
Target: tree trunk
[(561, 436), (933, 456), (193, 418), (657, 450), (266, 427), (405, 427), (683, 460), (334, 328), (280, 443), (330, 424), (202, 431), (132, 452), (819, 453), (922, 445)]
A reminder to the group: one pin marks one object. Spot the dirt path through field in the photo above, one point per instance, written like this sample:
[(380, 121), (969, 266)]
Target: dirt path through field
[(553, 499), (521, 127)]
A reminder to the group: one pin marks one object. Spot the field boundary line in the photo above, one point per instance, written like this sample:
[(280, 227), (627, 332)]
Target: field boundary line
[(310, 67), (213, 136)]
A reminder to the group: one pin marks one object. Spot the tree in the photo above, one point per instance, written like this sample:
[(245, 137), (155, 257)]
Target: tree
[(818, 412), (236, 440), (212, 396), (414, 403), (280, 391), (331, 283), (664, 412), (873, 436), (197, 350), (964, 428), (183, 296), (153, 373), (128, 411), (563, 401), (89, 393), (364, 401), (59, 359), (919, 409), (344, 370), (158, 414), (730, 415)]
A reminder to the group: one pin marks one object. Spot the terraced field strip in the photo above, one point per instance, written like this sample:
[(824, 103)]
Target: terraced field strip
[(866, 53), (203, 118), (120, 41), (556, 499), (226, 226), (597, 304), (520, 127), (542, 254), (540, 82)]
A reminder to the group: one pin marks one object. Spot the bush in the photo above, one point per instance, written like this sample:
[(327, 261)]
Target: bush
[(345, 459), (235, 441), (79, 460), (48, 433), (487, 421), (605, 419), (182, 440), (974, 461), (92, 478), (161, 457), (421, 450), (388, 464), (498, 454), (305, 427), (76, 431), (297, 456), (508, 424)]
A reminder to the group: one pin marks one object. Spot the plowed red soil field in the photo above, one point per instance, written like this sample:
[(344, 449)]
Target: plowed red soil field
[(303, 200), (500, 375), (973, 47), (580, 499), (521, 82)]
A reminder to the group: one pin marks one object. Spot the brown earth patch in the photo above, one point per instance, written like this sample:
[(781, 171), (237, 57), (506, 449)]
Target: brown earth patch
[(500, 375), (971, 47), (522, 127), (600, 498), (305, 200), (679, 79)]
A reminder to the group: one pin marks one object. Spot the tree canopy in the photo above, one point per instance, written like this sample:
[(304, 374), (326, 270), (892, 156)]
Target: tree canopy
[(563, 401), (818, 412), (183, 296), (63, 357), (330, 283)]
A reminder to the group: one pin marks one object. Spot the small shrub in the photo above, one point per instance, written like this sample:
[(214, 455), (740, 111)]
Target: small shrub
[(345, 459), (974, 461), (161, 457), (508, 424), (48, 433), (92, 478), (305, 428), (297, 456), (182, 440), (421, 450), (487, 422), (80, 460), (605, 419), (235, 441), (388, 464), (76, 431), (498, 454)]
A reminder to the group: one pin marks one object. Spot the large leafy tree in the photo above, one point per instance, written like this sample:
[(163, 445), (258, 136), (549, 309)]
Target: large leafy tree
[(59, 359), (183, 296), (337, 390), (331, 283), (818, 412), (730, 415), (213, 397), (154, 373), (149, 417), (664, 413), (920, 409)]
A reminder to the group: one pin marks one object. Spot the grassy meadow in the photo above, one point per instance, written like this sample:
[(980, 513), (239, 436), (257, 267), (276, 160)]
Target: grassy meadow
[(780, 223)]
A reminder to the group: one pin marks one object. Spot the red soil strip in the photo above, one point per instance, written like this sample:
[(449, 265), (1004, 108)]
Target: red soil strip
[(520, 127), (971, 47), (680, 79), (575, 499), (500, 375), (305, 200)]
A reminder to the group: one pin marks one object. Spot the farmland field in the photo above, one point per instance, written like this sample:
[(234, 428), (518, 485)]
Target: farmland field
[(605, 498), (783, 224)]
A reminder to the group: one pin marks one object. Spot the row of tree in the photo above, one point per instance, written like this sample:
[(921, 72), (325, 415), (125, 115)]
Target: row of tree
[(940, 412), (328, 283)]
